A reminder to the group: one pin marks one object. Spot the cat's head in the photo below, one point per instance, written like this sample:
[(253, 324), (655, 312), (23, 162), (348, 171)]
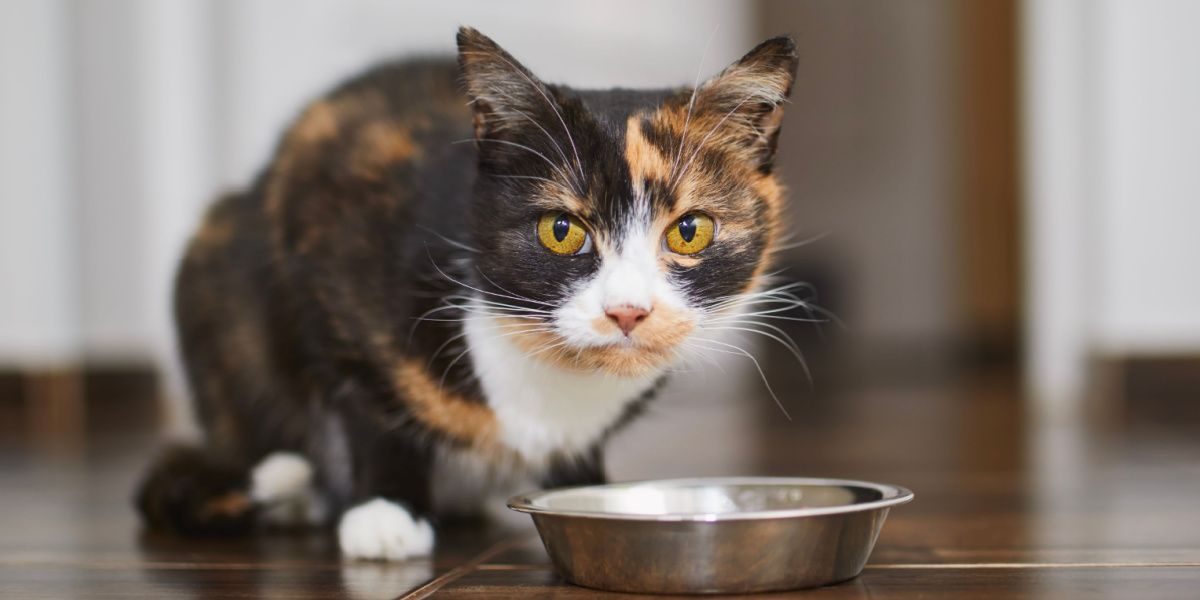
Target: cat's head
[(612, 224)]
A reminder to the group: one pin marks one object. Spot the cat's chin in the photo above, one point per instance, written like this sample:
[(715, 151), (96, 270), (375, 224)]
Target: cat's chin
[(629, 358), (623, 360)]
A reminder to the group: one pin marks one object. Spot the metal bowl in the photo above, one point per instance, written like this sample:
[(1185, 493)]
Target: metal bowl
[(713, 535)]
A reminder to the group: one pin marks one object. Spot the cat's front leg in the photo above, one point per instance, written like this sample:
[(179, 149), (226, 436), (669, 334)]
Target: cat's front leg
[(390, 521)]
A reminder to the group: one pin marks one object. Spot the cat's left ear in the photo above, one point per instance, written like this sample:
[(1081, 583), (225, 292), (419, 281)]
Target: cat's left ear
[(504, 94), (746, 100)]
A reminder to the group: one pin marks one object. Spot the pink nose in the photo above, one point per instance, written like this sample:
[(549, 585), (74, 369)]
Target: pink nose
[(627, 317)]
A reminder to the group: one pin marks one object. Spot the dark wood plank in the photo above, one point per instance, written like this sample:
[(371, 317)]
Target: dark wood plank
[(1058, 583)]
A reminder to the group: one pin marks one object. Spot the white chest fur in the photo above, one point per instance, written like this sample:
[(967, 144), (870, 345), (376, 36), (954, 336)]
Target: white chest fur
[(543, 409)]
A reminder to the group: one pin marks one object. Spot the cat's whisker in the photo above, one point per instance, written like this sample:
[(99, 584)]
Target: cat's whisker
[(517, 312), (767, 292), (760, 307), (762, 374), (472, 301), (553, 106), (764, 301), (534, 178), (691, 103), (527, 328), (578, 184), (804, 242), (698, 353), (446, 372), (705, 139), (479, 314), (752, 322), (453, 242), (475, 289), (513, 298), (467, 349), (553, 165), (502, 288), (783, 339), (547, 347)]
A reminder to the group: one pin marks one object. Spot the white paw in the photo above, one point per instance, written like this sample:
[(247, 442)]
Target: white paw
[(382, 530), (280, 476)]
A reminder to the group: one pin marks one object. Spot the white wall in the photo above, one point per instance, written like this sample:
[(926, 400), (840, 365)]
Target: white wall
[(869, 152), (1113, 186), (273, 65), (39, 312), (1148, 169)]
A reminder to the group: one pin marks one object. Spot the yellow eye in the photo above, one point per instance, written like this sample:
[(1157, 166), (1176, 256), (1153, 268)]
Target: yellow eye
[(562, 233), (691, 234)]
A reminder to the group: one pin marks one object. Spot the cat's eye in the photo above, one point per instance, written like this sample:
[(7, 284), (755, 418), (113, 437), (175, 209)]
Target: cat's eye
[(691, 233), (562, 233)]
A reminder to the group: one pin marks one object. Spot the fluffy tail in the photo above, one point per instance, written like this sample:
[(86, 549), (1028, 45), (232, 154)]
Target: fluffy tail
[(188, 491)]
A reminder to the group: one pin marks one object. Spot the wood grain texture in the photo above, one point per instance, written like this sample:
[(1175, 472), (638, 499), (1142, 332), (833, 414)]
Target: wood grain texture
[(1004, 509)]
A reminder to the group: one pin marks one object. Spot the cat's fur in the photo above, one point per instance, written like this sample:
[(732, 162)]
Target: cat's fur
[(375, 325)]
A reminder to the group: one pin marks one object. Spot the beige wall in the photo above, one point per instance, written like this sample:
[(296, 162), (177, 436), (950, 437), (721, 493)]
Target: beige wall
[(869, 150)]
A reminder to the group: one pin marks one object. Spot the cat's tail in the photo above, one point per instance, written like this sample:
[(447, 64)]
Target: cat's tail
[(191, 492)]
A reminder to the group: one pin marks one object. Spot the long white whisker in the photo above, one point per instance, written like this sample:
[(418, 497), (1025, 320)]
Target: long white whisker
[(550, 103), (525, 328), (757, 366), (578, 184), (705, 139), (786, 343), (502, 288), (475, 289), (535, 178), (455, 243), (691, 103), (493, 303), (553, 165)]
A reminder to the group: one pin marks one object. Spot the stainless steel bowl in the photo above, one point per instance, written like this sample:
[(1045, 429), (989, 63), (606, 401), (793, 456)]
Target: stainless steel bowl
[(711, 536)]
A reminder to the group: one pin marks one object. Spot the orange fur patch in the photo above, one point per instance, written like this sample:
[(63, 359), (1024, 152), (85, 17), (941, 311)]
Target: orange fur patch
[(646, 162), (380, 145), (232, 504), (216, 230), (470, 423), (556, 196), (318, 123)]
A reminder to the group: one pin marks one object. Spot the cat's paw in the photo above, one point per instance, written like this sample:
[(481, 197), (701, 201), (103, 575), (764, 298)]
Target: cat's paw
[(280, 476), (282, 486), (383, 530)]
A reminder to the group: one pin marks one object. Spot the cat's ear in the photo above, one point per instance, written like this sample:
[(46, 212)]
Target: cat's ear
[(747, 98), (504, 94)]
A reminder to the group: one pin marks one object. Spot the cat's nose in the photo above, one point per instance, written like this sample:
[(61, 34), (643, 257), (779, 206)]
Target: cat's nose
[(627, 317)]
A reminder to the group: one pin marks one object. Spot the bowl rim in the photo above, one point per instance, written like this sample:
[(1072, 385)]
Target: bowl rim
[(892, 495)]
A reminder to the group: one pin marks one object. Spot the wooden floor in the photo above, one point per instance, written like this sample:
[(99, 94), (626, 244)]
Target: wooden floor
[(1004, 509)]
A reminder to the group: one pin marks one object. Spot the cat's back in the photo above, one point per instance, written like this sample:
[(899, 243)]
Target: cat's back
[(383, 151), (397, 119), (338, 222)]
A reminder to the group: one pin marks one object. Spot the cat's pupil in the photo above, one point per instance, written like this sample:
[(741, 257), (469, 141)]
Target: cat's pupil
[(687, 228), (562, 227)]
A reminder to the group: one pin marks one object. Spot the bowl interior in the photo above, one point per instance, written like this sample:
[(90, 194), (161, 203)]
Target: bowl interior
[(713, 497)]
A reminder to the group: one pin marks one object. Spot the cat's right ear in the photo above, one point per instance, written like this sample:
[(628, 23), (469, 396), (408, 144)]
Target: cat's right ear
[(503, 93)]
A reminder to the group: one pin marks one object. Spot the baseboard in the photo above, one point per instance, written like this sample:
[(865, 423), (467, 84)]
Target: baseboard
[(65, 403)]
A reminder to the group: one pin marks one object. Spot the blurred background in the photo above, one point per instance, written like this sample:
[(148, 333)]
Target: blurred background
[(991, 186)]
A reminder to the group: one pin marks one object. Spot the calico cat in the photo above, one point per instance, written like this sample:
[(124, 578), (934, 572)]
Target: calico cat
[(455, 277)]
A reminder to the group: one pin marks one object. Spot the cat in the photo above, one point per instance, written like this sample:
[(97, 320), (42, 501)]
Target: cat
[(453, 277)]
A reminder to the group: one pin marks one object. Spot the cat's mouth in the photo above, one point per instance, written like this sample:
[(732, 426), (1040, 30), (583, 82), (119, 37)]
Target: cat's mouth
[(649, 348)]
